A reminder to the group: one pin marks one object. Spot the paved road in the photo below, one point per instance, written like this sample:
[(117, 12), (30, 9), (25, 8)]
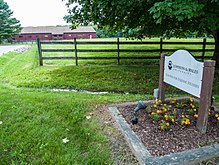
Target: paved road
[(11, 48)]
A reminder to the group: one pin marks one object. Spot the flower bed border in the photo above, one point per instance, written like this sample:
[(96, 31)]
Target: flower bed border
[(143, 155)]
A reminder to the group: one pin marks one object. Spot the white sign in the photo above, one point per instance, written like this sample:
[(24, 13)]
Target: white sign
[(184, 72)]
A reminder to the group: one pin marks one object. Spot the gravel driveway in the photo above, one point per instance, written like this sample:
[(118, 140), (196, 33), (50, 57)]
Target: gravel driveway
[(15, 48)]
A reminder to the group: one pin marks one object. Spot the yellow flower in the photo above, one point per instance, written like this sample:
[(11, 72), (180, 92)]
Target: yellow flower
[(167, 124), (218, 118), (165, 105), (193, 106), (172, 120), (187, 122), (152, 113), (195, 115), (209, 113), (194, 110), (162, 127), (159, 111), (155, 106), (216, 115), (166, 117), (183, 116), (183, 122)]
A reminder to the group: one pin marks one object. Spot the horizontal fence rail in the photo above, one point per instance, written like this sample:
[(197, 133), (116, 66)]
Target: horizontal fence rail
[(117, 50)]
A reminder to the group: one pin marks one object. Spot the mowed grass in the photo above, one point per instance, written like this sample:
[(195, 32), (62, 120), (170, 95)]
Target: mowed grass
[(35, 120)]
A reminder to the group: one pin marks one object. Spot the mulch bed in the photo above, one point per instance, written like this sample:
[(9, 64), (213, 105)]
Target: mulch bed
[(176, 137)]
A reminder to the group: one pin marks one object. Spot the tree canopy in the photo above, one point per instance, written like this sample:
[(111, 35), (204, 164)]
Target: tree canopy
[(146, 18), (9, 26)]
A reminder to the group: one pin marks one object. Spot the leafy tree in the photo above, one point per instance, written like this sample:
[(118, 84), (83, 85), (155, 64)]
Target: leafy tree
[(141, 18), (104, 33), (8, 26)]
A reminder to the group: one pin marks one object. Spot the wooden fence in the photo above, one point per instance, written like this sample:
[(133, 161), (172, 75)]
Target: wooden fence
[(75, 50)]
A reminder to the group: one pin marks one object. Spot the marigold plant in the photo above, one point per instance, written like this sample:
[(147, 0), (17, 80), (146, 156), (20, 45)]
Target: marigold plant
[(169, 114)]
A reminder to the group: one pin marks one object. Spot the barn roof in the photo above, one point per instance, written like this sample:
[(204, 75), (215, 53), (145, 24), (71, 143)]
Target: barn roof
[(56, 29)]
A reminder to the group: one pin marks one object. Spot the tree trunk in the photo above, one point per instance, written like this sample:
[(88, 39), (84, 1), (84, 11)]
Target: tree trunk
[(216, 49)]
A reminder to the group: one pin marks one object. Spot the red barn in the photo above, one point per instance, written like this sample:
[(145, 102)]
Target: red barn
[(54, 33)]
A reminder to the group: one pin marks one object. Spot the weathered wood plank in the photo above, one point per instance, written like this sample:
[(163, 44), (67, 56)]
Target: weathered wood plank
[(57, 50), (59, 58), (126, 43), (121, 50), (85, 58), (191, 50), (94, 50), (57, 42)]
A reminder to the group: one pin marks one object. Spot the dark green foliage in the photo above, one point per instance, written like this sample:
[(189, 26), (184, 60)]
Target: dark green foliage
[(106, 34), (8, 26), (141, 18), (182, 17), (170, 17)]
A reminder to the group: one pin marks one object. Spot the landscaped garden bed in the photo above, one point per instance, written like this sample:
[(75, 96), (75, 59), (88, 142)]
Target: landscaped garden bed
[(170, 127)]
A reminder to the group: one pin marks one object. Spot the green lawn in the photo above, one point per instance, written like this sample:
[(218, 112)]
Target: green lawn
[(34, 120)]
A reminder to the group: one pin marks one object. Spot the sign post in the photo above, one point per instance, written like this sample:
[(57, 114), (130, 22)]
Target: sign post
[(181, 70), (161, 91), (205, 97)]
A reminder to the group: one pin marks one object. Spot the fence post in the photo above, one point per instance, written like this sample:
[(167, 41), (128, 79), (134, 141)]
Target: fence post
[(205, 96), (161, 45), (76, 54), (203, 49), (118, 51), (39, 51)]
